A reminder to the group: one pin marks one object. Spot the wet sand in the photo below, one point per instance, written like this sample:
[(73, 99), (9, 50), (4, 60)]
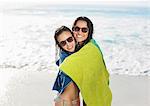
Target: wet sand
[(24, 88), (130, 90)]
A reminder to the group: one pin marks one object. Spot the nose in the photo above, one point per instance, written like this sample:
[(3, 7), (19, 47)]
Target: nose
[(67, 43), (80, 32)]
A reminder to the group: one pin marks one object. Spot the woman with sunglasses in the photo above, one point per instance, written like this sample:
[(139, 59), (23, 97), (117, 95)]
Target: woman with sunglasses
[(86, 67), (68, 91)]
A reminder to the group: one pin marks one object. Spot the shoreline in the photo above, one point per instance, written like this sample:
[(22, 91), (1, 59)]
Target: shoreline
[(24, 88)]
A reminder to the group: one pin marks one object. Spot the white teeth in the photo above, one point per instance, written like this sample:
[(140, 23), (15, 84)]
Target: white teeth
[(79, 36)]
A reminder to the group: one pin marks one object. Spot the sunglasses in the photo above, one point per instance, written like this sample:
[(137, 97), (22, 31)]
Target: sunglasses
[(77, 29), (63, 43)]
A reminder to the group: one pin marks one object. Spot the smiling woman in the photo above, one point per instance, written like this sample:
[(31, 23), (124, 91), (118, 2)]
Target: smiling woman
[(27, 48)]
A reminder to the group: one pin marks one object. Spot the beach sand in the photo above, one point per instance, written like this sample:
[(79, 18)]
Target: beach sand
[(33, 88), (130, 90)]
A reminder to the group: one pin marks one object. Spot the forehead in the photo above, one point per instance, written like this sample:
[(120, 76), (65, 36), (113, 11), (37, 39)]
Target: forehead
[(64, 35), (81, 23)]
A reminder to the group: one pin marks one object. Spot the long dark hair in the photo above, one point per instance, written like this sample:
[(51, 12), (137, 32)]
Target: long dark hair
[(89, 25)]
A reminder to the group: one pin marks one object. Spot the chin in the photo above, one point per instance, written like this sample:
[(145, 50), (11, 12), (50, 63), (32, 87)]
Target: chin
[(80, 40), (71, 50)]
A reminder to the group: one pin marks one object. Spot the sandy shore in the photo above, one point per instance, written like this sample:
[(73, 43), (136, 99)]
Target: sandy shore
[(130, 90), (24, 88)]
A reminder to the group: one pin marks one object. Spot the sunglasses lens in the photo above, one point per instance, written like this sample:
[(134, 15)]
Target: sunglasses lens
[(70, 39), (84, 30), (77, 29), (62, 43)]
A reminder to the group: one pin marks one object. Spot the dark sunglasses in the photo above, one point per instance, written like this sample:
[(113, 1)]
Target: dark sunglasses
[(77, 29), (63, 43)]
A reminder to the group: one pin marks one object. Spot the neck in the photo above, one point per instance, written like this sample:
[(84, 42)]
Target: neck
[(80, 43)]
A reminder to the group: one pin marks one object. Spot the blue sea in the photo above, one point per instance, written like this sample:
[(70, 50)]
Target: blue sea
[(85, 10), (123, 33)]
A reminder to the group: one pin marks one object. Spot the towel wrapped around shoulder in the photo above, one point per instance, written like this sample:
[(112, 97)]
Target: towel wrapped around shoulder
[(87, 69)]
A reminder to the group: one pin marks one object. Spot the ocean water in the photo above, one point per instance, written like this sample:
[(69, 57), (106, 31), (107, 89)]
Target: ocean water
[(123, 33)]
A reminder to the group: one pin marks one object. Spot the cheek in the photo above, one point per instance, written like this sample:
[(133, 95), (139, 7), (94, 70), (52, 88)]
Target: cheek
[(74, 44), (74, 33), (85, 36), (75, 36), (64, 47)]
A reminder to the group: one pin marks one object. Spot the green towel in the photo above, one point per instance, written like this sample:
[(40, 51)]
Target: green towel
[(87, 69)]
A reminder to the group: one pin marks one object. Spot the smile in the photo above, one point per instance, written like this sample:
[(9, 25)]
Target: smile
[(79, 36)]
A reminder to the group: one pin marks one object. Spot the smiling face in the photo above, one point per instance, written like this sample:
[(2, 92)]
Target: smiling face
[(66, 41), (81, 33)]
